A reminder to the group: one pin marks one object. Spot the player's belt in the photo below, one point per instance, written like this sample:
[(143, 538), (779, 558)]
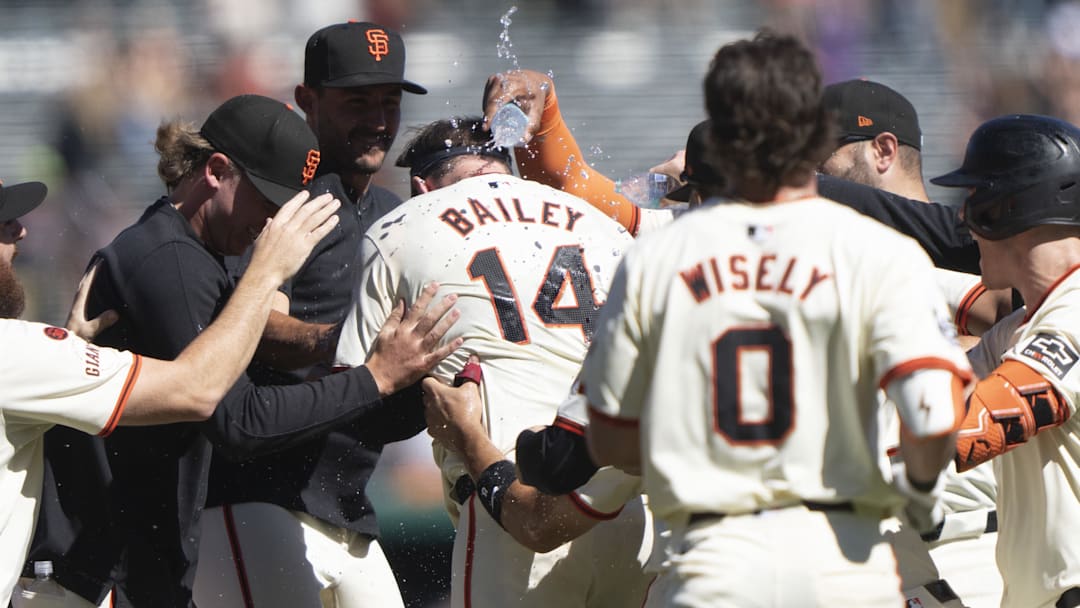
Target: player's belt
[(847, 507), (941, 591), (1069, 599), (971, 524)]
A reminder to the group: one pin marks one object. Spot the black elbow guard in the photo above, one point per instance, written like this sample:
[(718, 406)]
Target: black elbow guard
[(554, 460)]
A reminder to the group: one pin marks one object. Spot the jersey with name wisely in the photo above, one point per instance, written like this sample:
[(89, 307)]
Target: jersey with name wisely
[(1038, 505), (49, 377), (530, 265), (750, 342)]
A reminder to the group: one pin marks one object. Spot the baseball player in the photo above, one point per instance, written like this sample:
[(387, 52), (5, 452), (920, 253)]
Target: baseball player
[(1023, 209), (972, 307), (132, 518), (530, 265), (740, 353), (880, 145), (286, 511), (53, 377)]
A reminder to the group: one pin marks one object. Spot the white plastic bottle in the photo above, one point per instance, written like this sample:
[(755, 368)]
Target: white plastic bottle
[(42, 591), (508, 125)]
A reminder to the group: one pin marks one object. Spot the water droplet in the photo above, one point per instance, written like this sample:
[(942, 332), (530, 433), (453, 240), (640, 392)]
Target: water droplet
[(504, 46)]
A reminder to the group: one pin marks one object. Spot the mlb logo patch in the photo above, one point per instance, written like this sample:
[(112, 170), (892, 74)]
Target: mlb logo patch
[(759, 232), (914, 603)]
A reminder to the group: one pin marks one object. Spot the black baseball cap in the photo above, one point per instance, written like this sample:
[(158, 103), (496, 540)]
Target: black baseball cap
[(864, 109), (268, 140), (356, 54), (697, 170), (17, 200)]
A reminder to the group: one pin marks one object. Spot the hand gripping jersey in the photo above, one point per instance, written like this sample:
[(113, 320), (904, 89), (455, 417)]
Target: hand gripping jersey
[(531, 266), (49, 377), (750, 341), (1038, 505)]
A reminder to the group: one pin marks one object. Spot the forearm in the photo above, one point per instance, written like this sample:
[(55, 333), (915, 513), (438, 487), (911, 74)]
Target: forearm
[(925, 459), (255, 420), (288, 343), (477, 450), (400, 417), (554, 158)]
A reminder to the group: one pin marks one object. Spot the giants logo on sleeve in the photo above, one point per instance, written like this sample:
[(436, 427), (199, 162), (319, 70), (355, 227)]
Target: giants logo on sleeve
[(1053, 352), (56, 333)]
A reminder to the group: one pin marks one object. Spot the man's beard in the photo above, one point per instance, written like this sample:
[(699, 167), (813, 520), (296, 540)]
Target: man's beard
[(12, 294), (860, 173)]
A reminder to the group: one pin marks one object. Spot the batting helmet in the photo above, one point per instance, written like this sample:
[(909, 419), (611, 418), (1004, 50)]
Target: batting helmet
[(1023, 171)]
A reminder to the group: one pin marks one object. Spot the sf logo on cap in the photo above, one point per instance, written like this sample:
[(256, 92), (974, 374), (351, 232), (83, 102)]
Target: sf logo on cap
[(311, 164), (378, 44)]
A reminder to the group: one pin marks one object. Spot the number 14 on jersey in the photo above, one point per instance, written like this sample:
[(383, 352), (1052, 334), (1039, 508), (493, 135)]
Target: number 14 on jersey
[(567, 269)]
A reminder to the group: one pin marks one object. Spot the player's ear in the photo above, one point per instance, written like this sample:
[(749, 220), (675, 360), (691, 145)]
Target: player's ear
[(419, 185), (305, 97), (218, 167), (886, 150)]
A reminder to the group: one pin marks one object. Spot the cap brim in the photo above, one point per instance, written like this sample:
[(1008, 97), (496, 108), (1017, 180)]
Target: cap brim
[(363, 80), (278, 194), (680, 194), (958, 179), (19, 199)]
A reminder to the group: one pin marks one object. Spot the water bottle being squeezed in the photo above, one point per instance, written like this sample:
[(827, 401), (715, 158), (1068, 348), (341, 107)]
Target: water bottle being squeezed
[(508, 125)]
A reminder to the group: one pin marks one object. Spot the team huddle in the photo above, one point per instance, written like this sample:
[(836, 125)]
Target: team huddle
[(797, 383)]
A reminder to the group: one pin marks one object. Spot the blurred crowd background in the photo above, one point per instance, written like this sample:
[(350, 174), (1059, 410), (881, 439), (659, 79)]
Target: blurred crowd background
[(85, 83)]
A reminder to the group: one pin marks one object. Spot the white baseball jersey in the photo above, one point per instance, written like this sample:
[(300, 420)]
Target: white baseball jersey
[(531, 266), (750, 342), (49, 377), (960, 290), (1038, 499)]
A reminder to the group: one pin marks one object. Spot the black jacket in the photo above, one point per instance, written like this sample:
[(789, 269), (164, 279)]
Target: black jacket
[(125, 509)]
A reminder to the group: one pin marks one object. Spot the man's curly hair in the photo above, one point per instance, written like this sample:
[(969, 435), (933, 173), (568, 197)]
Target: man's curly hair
[(769, 125)]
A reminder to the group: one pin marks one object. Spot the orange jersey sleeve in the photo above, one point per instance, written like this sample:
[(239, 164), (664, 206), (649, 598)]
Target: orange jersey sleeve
[(554, 158)]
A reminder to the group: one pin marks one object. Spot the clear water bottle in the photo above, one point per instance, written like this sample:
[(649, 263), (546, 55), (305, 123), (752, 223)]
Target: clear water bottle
[(508, 125), (43, 587), (645, 189)]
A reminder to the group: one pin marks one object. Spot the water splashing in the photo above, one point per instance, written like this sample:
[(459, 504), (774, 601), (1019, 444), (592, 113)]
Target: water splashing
[(505, 45)]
